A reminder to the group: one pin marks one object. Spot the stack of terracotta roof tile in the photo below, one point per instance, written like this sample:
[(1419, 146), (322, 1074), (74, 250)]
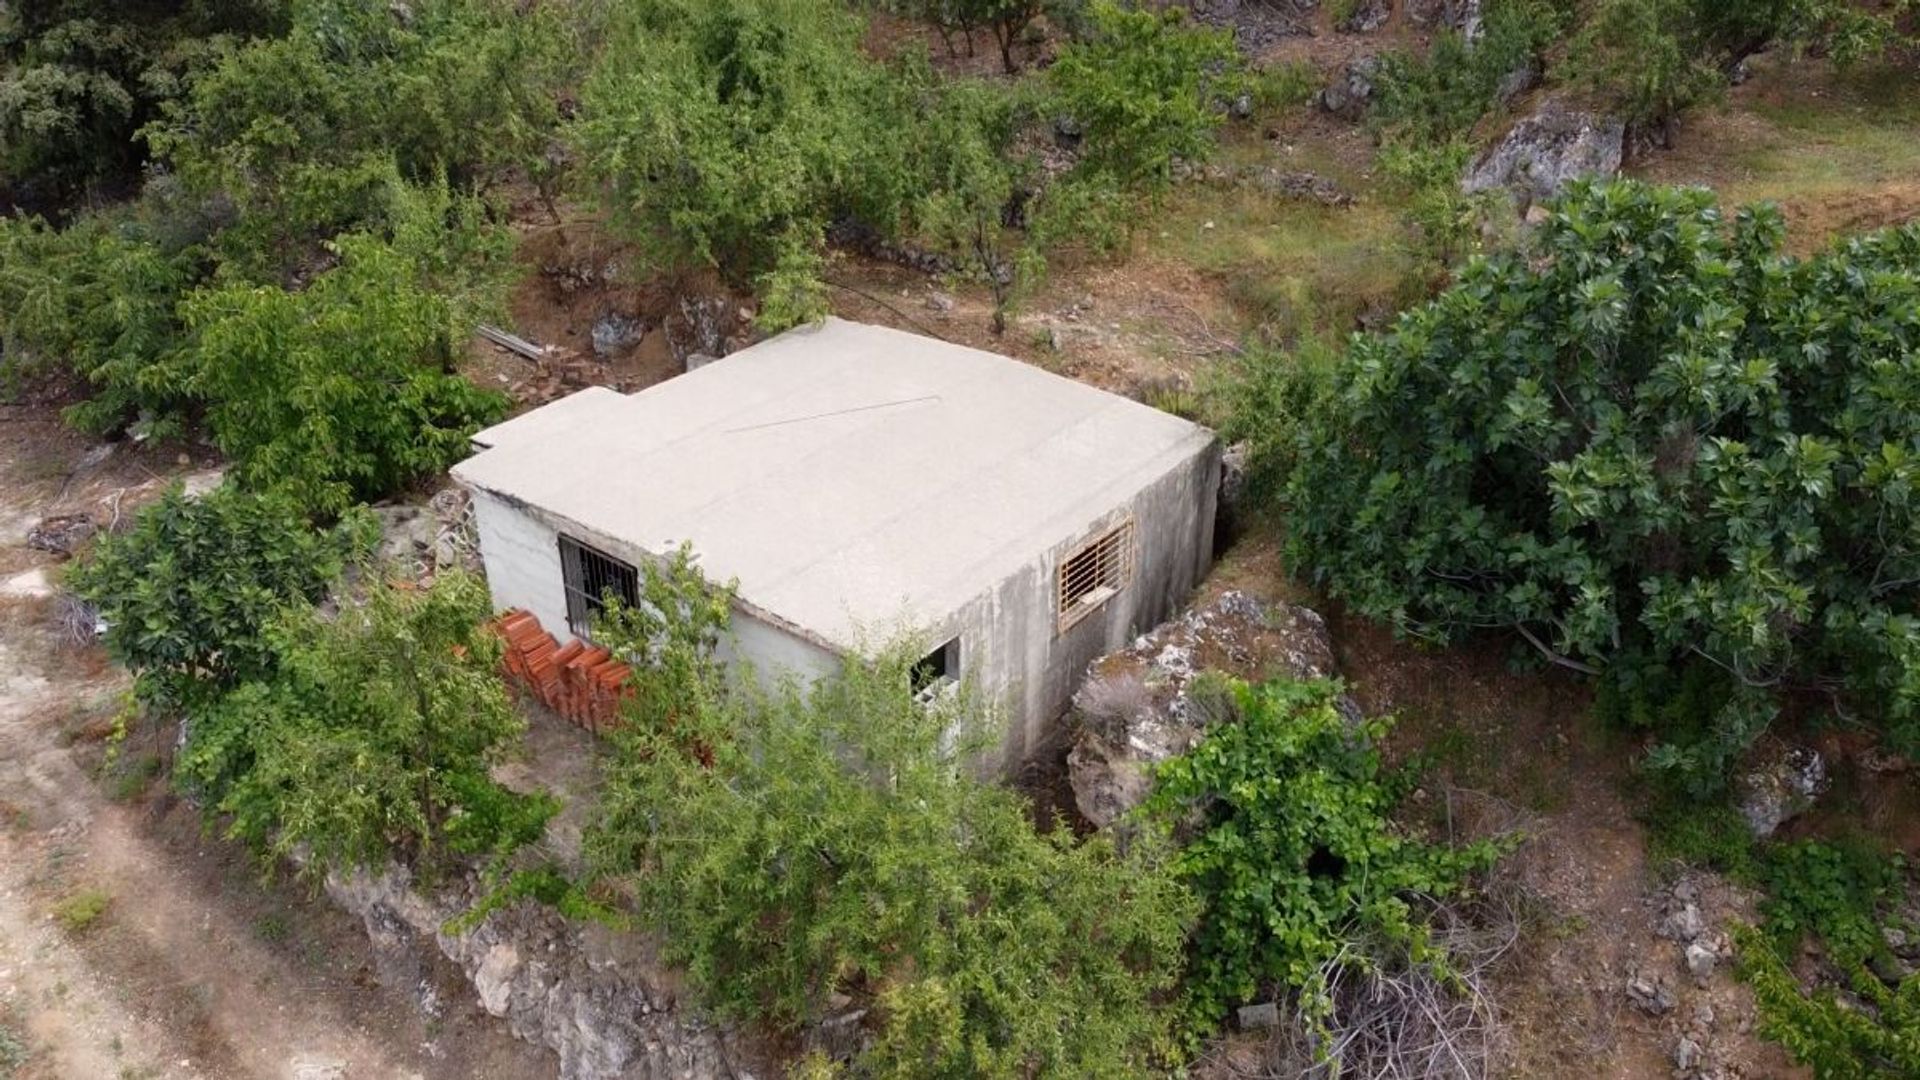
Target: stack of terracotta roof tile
[(581, 682)]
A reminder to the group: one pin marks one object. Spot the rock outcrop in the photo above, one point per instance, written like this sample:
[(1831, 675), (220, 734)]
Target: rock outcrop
[(1545, 151), (1781, 785), (1137, 707), (1351, 89), (593, 997)]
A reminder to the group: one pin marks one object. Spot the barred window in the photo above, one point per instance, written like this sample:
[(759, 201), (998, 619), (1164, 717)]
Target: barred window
[(590, 576), (1094, 572)]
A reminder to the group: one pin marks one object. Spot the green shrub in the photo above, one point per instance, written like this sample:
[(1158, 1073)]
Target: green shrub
[(371, 737), (1651, 59), (837, 838), (1147, 87), (303, 131), (1296, 859), (1650, 439), (731, 134), (80, 911), (79, 77), (1431, 98), (187, 590), (99, 298), (1845, 896), (346, 390)]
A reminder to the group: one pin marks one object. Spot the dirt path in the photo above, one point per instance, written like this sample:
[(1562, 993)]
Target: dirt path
[(197, 967)]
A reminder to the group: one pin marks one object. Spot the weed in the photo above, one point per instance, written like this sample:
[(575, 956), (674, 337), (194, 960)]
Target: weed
[(272, 927), (133, 776), (13, 1051), (1285, 85), (80, 911)]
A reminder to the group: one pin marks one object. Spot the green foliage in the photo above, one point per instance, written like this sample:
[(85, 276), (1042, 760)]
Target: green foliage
[(1865, 1021), (838, 838), (671, 638), (371, 736), (731, 134), (1431, 98), (1006, 20), (1297, 859), (99, 298), (1706, 719), (82, 910), (187, 590), (1839, 892), (1147, 87), (303, 131), (1649, 440), (1651, 59), (79, 77), (345, 390)]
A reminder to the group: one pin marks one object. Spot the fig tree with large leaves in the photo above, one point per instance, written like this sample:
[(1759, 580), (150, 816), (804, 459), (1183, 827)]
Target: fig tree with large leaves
[(1649, 440)]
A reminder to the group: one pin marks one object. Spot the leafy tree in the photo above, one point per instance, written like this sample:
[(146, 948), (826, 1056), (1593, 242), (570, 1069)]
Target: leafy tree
[(1006, 19), (371, 735), (1147, 87), (837, 838), (79, 77), (1649, 440), (187, 591), (731, 134), (346, 390), (1430, 98), (1295, 857), (303, 131), (99, 298), (1653, 58)]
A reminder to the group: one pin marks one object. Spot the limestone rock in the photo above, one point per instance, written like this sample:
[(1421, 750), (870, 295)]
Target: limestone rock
[(1545, 151), (597, 1001), (1137, 707), (1784, 783), (1367, 16), (1650, 996), (1701, 960), (1351, 90), (61, 533), (614, 333)]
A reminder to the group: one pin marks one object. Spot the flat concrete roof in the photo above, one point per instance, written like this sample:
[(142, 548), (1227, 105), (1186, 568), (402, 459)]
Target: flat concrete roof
[(852, 478)]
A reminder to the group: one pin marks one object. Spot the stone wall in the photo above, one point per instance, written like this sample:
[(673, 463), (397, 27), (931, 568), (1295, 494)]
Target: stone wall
[(596, 998)]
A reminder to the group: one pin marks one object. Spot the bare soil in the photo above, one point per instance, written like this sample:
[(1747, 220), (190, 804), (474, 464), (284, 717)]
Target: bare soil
[(197, 966)]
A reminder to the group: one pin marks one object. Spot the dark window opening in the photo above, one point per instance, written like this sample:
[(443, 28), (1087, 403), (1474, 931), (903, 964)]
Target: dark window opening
[(942, 665), (590, 576)]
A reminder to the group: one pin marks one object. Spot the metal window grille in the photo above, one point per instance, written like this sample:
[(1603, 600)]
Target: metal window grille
[(590, 576), (1094, 572)]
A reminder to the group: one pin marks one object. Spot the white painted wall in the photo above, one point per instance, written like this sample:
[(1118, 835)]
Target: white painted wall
[(522, 556)]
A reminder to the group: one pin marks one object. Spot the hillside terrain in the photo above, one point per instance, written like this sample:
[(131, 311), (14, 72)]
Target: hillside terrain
[(1598, 484)]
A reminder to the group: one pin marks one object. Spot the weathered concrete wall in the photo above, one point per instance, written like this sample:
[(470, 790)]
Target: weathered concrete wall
[(1009, 635), (1009, 645)]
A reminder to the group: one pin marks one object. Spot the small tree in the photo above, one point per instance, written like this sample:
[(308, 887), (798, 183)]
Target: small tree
[(187, 592), (372, 736), (836, 837), (1147, 87), (1298, 864), (344, 390), (730, 134)]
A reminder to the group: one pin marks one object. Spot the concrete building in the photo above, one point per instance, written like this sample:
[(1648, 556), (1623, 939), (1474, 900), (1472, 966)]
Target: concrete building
[(860, 483)]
